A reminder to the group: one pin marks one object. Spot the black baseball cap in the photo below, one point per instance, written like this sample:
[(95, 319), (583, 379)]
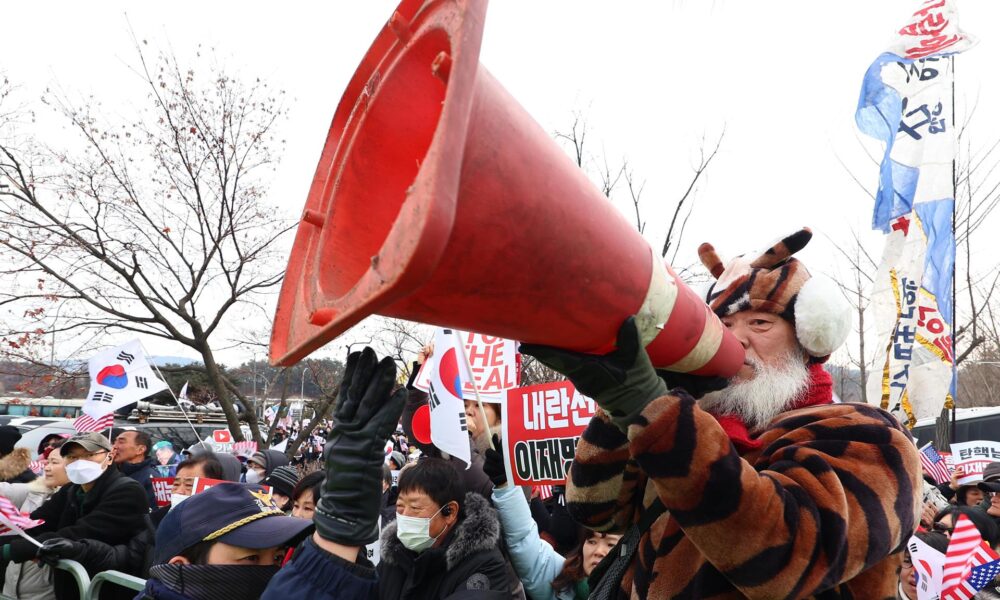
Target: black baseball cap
[(991, 478), (233, 513)]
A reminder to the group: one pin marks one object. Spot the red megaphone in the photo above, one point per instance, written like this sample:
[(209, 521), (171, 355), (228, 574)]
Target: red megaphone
[(438, 199)]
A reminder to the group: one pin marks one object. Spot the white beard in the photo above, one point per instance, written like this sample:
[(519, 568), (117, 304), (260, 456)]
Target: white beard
[(771, 391)]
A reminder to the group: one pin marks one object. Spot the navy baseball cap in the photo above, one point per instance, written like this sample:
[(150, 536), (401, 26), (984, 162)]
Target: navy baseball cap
[(238, 514)]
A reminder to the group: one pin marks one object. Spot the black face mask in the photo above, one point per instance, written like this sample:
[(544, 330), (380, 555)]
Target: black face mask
[(216, 582)]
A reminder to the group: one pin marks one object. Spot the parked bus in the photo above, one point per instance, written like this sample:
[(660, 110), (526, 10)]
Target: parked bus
[(971, 424), (41, 407)]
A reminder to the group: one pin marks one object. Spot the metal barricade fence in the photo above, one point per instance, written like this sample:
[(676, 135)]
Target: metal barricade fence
[(116, 578), (89, 589)]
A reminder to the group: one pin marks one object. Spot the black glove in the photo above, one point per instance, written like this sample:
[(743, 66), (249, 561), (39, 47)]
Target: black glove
[(696, 385), (55, 549), (622, 382), (493, 464), (366, 414)]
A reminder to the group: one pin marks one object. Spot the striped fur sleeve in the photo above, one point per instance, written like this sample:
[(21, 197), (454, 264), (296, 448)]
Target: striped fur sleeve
[(601, 489), (835, 490)]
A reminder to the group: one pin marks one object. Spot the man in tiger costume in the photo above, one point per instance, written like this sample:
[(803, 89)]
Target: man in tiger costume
[(771, 489)]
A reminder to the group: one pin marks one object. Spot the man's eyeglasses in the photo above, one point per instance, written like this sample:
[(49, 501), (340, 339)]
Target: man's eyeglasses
[(72, 458)]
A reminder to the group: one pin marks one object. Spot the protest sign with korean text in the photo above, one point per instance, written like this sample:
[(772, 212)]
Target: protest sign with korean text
[(162, 488), (972, 457), (542, 425)]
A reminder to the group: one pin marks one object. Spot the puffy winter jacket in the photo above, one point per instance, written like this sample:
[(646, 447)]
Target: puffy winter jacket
[(467, 564), (28, 580), (535, 561)]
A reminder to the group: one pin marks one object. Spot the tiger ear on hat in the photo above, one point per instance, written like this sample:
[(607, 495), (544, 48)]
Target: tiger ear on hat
[(711, 260), (783, 249)]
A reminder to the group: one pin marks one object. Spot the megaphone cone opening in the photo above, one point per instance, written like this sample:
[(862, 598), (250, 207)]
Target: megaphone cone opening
[(390, 130)]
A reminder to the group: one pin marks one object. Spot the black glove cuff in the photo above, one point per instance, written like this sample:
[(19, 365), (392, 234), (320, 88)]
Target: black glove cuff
[(335, 528)]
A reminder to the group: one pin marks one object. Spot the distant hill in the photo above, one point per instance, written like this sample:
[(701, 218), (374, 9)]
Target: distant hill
[(162, 361)]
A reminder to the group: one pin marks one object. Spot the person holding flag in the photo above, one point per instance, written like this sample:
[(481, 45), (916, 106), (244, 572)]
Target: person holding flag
[(457, 440), (31, 580), (100, 503)]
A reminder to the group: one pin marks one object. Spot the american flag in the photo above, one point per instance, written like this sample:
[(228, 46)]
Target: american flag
[(934, 464), (86, 423), (244, 448), (966, 551), (544, 491), (13, 521), (982, 575), (37, 466)]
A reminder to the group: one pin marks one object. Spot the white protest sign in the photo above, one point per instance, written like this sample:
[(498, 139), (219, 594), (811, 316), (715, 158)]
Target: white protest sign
[(493, 362), (971, 459)]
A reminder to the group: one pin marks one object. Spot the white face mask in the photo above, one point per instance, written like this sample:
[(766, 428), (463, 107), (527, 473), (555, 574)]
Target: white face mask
[(415, 532), (84, 471), (176, 499), (253, 476)]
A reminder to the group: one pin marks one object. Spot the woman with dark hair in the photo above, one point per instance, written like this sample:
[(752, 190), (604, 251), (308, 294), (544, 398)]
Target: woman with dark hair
[(545, 574), (306, 494), (944, 522)]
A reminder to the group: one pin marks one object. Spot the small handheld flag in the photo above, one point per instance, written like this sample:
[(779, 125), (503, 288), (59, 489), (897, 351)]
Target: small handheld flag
[(85, 423), (934, 464), (14, 522), (449, 431)]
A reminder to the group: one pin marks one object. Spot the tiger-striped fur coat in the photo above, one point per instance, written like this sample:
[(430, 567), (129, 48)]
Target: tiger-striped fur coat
[(822, 510)]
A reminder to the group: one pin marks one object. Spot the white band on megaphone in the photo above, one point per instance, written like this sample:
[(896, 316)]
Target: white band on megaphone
[(659, 302), (704, 350)]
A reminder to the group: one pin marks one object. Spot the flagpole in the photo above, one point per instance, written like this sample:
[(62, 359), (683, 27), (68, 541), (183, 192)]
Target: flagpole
[(475, 388), (197, 435), (954, 264)]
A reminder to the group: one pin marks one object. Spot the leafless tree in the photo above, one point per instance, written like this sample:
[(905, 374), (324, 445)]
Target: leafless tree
[(609, 178), (699, 169), (152, 224), (862, 269)]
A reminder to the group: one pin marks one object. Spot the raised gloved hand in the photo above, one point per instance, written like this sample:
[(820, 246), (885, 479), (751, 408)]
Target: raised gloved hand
[(622, 382), (493, 464), (695, 385), (365, 415), (55, 549)]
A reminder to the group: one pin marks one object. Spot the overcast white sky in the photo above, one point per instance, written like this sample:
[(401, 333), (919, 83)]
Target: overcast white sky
[(653, 78)]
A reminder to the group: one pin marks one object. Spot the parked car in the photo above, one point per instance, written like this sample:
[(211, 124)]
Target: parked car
[(34, 429)]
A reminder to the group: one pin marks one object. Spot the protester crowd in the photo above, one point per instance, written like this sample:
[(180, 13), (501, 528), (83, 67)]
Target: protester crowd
[(668, 496)]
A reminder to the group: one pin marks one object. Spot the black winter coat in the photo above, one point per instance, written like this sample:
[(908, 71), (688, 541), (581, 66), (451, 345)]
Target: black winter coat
[(113, 511), (468, 564), (133, 557), (143, 473), (388, 508)]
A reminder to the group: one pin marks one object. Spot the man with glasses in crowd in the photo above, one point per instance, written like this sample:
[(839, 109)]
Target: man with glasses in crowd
[(100, 504)]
